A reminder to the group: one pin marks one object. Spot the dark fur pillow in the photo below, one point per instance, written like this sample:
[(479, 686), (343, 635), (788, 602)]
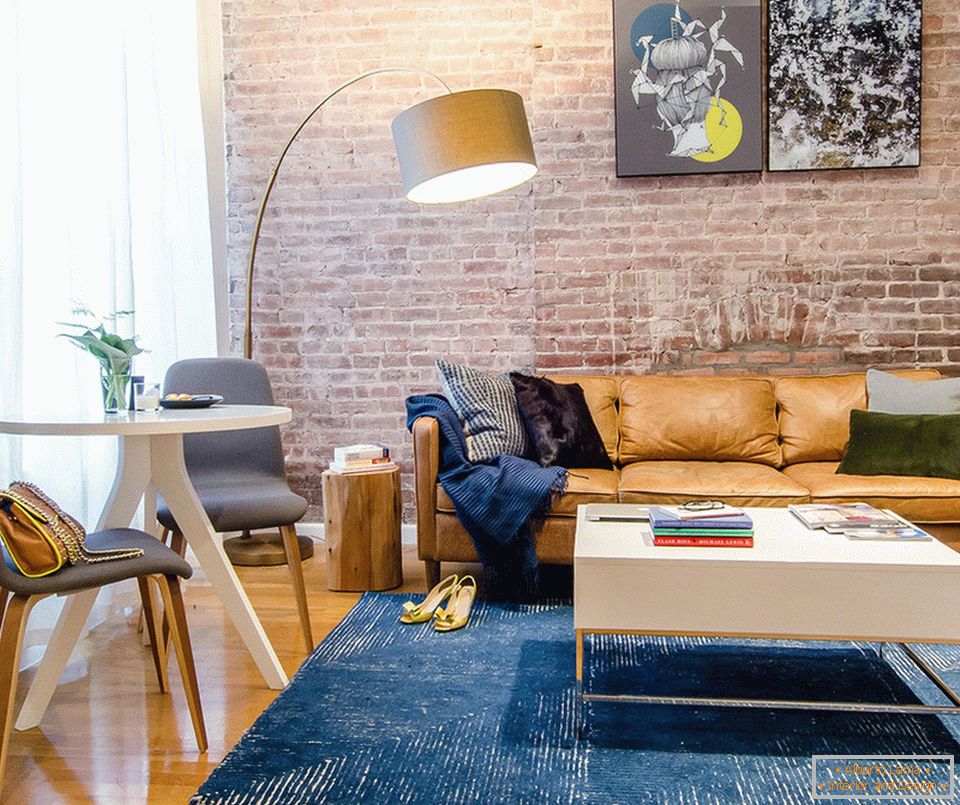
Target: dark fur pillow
[(558, 423)]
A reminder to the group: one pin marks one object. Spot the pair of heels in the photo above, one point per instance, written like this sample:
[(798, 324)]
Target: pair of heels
[(459, 595)]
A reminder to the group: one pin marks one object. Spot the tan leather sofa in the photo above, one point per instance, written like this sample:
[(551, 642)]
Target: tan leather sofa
[(749, 441)]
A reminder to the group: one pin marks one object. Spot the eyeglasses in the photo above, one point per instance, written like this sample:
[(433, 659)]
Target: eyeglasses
[(701, 505)]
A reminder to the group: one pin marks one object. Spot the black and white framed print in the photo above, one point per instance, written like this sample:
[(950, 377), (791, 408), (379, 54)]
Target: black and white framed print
[(687, 86), (843, 86)]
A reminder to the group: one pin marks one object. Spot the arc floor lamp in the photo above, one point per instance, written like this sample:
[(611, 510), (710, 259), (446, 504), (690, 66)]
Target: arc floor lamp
[(455, 147)]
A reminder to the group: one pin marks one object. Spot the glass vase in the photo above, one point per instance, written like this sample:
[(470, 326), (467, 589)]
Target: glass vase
[(114, 387)]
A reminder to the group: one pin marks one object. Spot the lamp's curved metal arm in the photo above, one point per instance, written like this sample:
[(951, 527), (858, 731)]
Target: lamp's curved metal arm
[(248, 322)]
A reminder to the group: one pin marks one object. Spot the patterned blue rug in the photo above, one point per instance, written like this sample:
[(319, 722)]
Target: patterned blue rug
[(386, 713)]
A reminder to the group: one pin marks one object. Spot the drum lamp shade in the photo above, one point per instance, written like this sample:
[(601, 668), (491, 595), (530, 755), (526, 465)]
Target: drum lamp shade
[(463, 145)]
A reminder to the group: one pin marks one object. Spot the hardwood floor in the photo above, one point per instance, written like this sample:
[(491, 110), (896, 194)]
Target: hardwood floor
[(110, 736)]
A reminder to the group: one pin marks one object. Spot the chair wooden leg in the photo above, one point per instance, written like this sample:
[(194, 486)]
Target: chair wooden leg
[(176, 617), (141, 622), (157, 645), (292, 549), (178, 543), (11, 641)]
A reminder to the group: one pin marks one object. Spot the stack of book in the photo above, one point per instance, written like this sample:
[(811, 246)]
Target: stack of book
[(361, 458), (858, 521), (711, 528)]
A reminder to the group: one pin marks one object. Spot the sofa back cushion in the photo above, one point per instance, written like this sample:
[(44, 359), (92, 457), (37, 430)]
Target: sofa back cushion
[(815, 412), (698, 418), (602, 393)]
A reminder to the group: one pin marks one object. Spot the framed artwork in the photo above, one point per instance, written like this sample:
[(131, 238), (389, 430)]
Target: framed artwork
[(687, 86), (843, 84)]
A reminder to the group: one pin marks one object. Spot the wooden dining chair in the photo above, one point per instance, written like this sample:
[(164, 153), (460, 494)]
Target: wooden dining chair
[(158, 564), (239, 475)]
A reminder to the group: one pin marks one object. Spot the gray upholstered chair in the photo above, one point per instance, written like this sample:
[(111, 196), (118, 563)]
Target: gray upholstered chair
[(158, 563), (239, 475)]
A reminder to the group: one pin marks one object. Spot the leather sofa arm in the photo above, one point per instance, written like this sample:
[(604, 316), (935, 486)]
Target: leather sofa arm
[(426, 464)]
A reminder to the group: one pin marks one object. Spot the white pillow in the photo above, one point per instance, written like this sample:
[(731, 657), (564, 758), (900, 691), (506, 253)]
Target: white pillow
[(890, 394)]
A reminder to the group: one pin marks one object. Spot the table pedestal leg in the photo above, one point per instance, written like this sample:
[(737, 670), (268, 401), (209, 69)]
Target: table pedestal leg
[(76, 610), (129, 483), (173, 483)]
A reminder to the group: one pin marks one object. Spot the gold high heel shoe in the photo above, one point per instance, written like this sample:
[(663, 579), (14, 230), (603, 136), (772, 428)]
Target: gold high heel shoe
[(457, 612), (422, 612)]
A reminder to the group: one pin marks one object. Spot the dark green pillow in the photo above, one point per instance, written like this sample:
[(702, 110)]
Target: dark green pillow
[(926, 445)]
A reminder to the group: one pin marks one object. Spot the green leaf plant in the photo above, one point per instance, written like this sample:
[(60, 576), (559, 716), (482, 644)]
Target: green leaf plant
[(112, 351)]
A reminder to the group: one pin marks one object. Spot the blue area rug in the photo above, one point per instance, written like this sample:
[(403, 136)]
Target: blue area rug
[(386, 713)]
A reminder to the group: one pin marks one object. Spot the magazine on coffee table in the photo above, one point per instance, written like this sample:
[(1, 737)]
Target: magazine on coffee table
[(859, 521), (837, 517), (903, 534)]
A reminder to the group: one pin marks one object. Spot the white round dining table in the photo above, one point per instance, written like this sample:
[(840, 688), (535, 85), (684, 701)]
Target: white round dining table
[(150, 463)]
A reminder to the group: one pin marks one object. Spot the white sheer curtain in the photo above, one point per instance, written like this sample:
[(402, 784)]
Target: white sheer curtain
[(103, 200)]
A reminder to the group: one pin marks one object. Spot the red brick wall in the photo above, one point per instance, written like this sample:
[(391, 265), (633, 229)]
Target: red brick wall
[(359, 291)]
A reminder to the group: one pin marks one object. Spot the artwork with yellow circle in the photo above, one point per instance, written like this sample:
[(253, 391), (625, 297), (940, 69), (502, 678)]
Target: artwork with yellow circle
[(724, 131), (688, 86)]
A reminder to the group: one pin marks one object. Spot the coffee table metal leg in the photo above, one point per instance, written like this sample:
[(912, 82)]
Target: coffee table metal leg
[(953, 709), (580, 705), (932, 675)]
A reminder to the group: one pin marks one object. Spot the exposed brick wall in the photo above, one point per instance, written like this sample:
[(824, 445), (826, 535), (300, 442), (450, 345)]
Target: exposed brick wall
[(358, 291)]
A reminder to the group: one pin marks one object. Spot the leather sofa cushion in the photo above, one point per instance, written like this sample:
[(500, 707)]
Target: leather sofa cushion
[(923, 500), (815, 412), (698, 418), (602, 393), (583, 486), (739, 483)]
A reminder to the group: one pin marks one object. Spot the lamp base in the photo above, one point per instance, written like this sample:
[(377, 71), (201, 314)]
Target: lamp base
[(262, 550)]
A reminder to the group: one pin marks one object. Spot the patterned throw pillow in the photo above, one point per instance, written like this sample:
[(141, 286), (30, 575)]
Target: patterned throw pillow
[(487, 407)]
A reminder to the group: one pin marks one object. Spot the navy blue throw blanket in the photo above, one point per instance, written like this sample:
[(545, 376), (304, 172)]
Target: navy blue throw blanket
[(495, 501)]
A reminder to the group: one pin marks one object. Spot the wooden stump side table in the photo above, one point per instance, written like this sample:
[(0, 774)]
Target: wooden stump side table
[(362, 530)]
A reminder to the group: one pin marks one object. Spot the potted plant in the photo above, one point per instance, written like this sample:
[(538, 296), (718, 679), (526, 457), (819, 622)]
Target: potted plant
[(113, 352)]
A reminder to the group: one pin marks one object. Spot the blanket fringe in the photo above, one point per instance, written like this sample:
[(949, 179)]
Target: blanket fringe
[(540, 515)]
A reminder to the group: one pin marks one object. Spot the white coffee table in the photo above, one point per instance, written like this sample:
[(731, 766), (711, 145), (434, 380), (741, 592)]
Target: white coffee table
[(794, 584)]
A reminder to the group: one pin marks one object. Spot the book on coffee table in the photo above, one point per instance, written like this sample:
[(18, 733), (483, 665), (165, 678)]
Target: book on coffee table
[(722, 510), (661, 518), (703, 542), (735, 531), (703, 532)]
